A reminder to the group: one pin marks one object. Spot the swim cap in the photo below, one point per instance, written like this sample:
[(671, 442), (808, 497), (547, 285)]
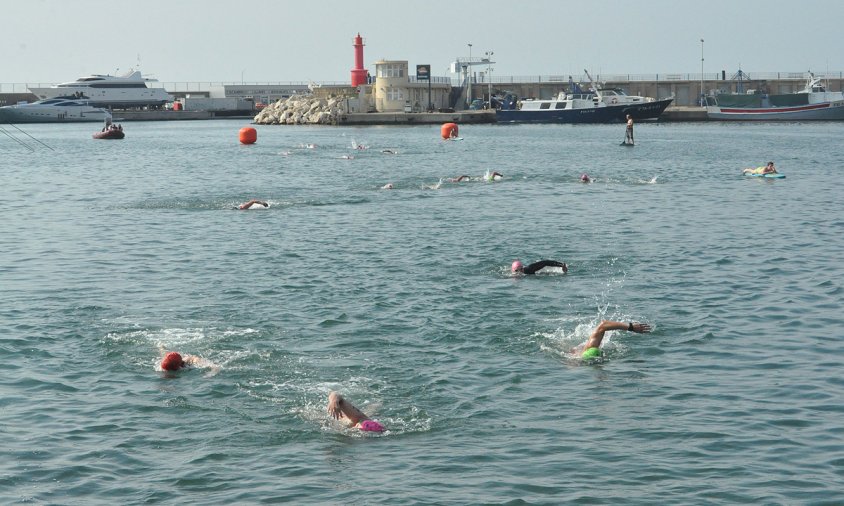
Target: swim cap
[(172, 362), (517, 266), (592, 353), (584, 177), (371, 426)]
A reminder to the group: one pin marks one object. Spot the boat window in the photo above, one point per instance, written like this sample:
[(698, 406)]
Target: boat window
[(546, 105), (560, 105)]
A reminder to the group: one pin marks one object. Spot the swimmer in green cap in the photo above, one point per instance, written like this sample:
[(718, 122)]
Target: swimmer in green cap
[(593, 345)]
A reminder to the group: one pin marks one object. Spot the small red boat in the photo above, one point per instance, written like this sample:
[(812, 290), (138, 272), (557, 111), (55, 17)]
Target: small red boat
[(111, 132)]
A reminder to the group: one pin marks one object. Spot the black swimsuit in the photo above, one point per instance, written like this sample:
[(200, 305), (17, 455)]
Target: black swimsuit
[(536, 266)]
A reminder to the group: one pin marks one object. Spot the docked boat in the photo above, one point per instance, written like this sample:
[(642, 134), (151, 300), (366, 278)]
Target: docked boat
[(579, 106), (128, 90), (813, 102), (55, 110)]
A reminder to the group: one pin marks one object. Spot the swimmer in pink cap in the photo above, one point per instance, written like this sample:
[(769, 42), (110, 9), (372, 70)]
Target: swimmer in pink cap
[(338, 408), (518, 268), (584, 178)]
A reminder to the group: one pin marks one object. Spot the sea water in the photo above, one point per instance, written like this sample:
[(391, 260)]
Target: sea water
[(402, 300)]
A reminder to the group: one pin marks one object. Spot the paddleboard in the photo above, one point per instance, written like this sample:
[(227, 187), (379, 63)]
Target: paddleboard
[(769, 176)]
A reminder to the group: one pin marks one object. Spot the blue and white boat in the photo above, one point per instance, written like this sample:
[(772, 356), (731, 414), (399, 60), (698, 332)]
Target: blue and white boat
[(579, 106), (54, 110)]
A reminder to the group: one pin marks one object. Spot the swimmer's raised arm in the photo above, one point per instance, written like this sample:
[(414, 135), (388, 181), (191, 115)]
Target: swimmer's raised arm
[(338, 408), (537, 266), (606, 325)]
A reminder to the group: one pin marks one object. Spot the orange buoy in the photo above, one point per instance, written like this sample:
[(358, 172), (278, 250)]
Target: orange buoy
[(449, 130), (248, 135)]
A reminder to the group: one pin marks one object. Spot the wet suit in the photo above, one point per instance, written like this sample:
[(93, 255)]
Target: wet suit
[(537, 266)]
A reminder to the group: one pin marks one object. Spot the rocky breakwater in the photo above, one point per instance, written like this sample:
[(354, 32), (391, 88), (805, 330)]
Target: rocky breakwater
[(302, 110)]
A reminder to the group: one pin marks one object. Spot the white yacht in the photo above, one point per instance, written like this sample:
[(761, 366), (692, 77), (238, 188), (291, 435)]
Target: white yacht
[(128, 90), (53, 110)]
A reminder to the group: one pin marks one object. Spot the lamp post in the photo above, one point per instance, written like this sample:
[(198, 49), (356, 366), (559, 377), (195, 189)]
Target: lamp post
[(489, 75), (241, 76), (702, 94), (469, 76)]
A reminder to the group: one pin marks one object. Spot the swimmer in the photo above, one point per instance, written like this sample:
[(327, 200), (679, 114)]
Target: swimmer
[(584, 178), (389, 152), (491, 176), (174, 361), (457, 179), (519, 268), (436, 186), (253, 204), (388, 186), (592, 349), (340, 408), (768, 169), (347, 157)]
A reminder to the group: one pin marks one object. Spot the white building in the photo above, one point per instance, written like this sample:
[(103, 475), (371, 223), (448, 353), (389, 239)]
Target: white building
[(395, 90)]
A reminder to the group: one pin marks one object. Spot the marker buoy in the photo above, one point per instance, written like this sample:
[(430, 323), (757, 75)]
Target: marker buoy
[(448, 130), (248, 135)]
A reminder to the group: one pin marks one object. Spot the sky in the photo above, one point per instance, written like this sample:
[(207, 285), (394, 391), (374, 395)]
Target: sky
[(284, 41)]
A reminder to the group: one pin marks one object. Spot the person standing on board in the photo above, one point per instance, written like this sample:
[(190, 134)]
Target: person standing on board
[(628, 134)]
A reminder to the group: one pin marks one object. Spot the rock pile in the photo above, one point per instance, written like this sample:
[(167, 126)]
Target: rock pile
[(302, 110)]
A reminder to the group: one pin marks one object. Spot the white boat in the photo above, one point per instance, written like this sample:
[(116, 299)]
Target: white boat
[(813, 102), (54, 110), (128, 90)]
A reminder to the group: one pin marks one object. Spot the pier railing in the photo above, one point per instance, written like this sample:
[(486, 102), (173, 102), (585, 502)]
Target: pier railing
[(188, 86)]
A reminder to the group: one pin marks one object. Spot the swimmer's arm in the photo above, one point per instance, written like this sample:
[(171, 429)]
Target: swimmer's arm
[(606, 325), (339, 408), (194, 361)]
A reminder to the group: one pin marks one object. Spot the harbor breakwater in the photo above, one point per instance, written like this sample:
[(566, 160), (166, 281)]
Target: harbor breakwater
[(302, 110), (315, 110)]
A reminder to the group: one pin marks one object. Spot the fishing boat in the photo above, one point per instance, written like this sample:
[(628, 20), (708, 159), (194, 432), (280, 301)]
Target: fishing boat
[(583, 106), (813, 102), (56, 110), (128, 90)]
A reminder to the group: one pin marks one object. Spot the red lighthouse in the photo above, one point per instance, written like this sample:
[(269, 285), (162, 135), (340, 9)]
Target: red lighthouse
[(358, 72)]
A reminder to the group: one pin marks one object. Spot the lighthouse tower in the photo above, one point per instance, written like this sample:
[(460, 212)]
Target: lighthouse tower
[(358, 72)]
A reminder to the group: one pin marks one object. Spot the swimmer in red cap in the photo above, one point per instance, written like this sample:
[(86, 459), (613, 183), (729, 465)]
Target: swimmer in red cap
[(338, 408), (174, 361), (518, 268)]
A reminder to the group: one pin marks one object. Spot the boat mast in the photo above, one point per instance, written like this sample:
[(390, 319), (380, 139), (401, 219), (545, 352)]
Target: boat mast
[(594, 86)]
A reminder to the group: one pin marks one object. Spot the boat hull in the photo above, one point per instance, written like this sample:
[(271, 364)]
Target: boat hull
[(109, 134), (22, 114), (115, 98), (827, 111), (608, 114)]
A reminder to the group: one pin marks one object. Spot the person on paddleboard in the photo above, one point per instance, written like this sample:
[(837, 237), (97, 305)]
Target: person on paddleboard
[(768, 169), (628, 134)]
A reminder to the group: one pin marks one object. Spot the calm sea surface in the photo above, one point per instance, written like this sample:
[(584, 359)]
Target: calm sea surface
[(402, 300)]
